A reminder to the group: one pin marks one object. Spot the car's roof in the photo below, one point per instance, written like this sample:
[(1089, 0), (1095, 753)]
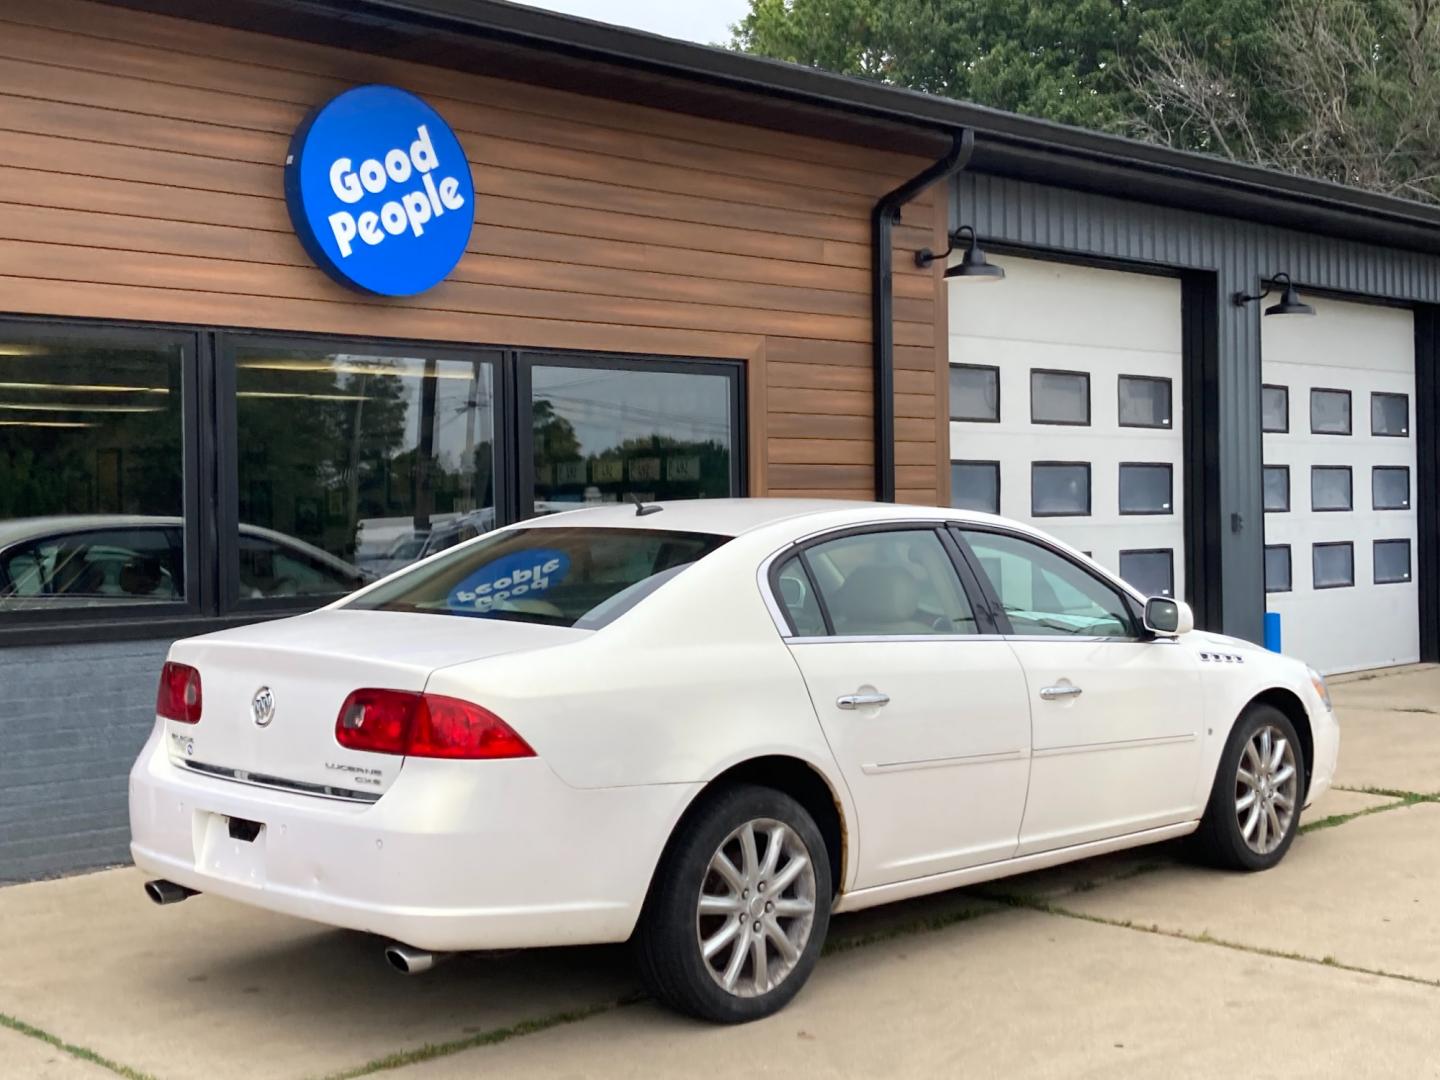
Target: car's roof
[(734, 517)]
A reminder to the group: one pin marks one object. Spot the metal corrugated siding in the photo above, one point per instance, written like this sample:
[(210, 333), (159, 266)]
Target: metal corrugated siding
[(1025, 214)]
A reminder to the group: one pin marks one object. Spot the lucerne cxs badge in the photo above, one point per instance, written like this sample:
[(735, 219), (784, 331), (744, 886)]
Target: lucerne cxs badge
[(379, 191)]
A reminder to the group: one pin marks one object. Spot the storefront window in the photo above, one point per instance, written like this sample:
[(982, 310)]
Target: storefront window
[(601, 434), (91, 470), (353, 463)]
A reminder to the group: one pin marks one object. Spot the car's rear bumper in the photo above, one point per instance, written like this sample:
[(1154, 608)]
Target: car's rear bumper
[(455, 855)]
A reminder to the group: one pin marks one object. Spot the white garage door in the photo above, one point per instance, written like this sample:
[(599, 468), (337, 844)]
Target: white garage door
[(1339, 422), (1065, 388)]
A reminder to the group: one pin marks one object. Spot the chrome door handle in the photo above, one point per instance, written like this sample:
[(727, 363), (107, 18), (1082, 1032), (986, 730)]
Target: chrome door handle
[(859, 701), (1055, 693)]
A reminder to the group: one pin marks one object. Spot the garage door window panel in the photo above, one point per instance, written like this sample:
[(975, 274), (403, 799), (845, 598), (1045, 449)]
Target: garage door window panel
[(1277, 489), (1333, 565), (1275, 408), (1392, 562), (1277, 568), (975, 393), (1146, 488), (975, 485), (1150, 571), (1390, 415), (1331, 488), (1044, 594), (95, 473), (1060, 489), (894, 583), (1390, 487), (1145, 402), (1060, 397), (1329, 412)]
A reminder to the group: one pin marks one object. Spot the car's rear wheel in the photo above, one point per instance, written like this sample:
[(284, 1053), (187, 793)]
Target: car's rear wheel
[(739, 908), (1254, 807)]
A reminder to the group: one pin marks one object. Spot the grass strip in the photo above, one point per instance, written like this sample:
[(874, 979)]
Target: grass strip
[(484, 1038), (83, 1053), (1340, 819), (1204, 938)]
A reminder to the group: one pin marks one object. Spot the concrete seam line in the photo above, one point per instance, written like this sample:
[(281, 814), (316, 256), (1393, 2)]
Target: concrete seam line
[(1340, 819), (1206, 939), (83, 1053), (1393, 793)]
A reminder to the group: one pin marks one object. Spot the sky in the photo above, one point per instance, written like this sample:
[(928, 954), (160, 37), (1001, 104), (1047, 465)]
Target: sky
[(705, 21)]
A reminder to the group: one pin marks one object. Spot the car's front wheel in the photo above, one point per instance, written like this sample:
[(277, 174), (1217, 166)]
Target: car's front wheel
[(1254, 807), (739, 908)]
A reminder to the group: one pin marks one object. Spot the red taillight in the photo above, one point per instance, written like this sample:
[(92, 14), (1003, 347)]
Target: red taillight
[(179, 697), (424, 725)]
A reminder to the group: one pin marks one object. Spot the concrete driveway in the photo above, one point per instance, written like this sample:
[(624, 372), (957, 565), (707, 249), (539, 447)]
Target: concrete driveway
[(1131, 965)]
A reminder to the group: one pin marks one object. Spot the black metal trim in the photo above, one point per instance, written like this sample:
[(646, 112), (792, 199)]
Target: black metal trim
[(883, 217), (1089, 413), (998, 396), (1289, 569), (1409, 492), (1200, 408), (1284, 390), (1168, 466), (1169, 424), (975, 461), (1349, 506), (1349, 397), (1333, 544), (1427, 477), (1275, 509), (1089, 490)]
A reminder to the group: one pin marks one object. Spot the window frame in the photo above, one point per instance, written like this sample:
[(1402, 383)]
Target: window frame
[(1168, 466), (1169, 424), (1289, 491), (972, 590), (1169, 553), (969, 461), (1314, 547), (141, 619), (1289, 568), (1389, 434), (1349, 472), (1089, 490), (996, 611), (1284, 389), (1350, 401), (1409, 489), (1089, 392), (1409, 578), (999, 393)]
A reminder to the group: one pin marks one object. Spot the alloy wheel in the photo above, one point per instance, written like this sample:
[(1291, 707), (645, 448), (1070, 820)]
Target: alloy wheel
[(1267, 790), (756, 907)]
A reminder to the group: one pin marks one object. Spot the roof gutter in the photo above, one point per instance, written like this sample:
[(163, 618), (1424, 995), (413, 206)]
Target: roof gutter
[(883, 218)]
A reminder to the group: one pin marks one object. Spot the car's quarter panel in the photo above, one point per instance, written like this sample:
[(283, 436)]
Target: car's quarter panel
[(457, 855), (938, 773)]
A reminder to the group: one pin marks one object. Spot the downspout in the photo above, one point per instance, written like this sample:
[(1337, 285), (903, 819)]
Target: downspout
[(882, 301)]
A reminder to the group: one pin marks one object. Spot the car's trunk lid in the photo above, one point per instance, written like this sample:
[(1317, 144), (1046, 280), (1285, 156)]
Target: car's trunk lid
[(309, 665)]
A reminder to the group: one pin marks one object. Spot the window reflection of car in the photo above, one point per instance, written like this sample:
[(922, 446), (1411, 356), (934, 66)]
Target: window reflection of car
[(109, 558), (413, 544)]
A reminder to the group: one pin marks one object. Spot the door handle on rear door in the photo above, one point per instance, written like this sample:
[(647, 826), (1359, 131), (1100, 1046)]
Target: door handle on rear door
[(859, 701), (1063, 690)]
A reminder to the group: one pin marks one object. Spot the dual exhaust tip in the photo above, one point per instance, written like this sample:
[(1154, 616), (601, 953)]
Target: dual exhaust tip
[(403, 958)]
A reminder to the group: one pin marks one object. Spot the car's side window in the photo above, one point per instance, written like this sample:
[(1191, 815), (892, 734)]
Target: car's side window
[(97, 567), (893, 582), (1044, 594)]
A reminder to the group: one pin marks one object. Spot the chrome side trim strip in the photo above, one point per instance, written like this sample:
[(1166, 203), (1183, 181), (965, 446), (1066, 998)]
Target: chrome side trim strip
[(276, 783), (1123, 744), (942, 763)]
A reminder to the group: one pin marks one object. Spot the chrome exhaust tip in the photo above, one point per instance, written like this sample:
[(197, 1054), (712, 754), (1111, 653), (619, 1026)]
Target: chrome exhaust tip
[(408, 960), (167, 892)]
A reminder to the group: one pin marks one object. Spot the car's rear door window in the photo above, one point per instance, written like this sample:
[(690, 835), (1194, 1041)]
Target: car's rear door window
[(888, 583), (583, 577)]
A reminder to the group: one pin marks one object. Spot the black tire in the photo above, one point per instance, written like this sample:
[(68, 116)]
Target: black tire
[(1221, 840), (668, 938)]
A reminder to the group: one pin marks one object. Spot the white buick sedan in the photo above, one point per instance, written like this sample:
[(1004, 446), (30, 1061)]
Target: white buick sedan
[(705, 727)]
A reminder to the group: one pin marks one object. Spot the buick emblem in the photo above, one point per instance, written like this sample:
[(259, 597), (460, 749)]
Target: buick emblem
[(262, 707)]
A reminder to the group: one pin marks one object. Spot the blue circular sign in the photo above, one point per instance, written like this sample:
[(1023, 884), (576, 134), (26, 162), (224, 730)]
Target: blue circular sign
[(379, 191)]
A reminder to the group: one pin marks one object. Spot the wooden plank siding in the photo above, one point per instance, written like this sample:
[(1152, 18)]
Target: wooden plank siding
[(141, 179)]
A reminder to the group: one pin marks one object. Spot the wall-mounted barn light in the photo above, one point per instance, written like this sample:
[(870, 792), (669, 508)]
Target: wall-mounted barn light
[(1290, 302), (972, 265)]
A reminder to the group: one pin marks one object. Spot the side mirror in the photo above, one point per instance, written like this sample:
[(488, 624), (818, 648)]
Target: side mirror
[(1168, 618)]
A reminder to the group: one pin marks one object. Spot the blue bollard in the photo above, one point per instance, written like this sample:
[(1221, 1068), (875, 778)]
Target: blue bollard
[(1272, 631)]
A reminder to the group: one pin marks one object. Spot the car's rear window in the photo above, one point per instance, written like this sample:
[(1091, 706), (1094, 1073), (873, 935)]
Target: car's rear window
[(561, 577)]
